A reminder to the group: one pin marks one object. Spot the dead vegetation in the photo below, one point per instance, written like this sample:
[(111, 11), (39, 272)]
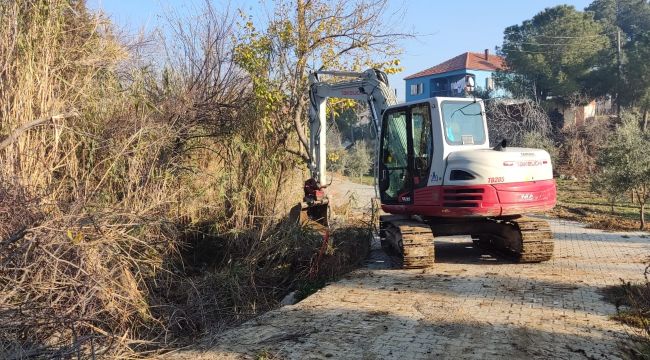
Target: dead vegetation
[(140, 206), (632, 303)]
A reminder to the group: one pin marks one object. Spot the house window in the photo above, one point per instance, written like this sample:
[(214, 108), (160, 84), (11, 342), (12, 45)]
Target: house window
[(489, 83), (417, 89)]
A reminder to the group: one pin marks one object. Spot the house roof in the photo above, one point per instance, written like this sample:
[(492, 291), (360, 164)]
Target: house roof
[(468, 60)]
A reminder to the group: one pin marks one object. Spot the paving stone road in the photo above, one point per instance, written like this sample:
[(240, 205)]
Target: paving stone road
[(471, 304)]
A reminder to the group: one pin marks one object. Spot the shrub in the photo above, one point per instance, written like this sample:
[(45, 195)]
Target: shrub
[(359, 161)]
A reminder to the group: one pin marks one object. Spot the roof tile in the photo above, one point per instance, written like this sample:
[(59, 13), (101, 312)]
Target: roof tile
[(468, 60)]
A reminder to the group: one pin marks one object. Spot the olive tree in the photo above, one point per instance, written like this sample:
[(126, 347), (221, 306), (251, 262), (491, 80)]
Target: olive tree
[(625, 163)]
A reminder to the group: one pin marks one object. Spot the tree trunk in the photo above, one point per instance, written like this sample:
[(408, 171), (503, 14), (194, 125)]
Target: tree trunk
[(612, 206), (645, 120), (300, 131), (642, 198), (642, 216)]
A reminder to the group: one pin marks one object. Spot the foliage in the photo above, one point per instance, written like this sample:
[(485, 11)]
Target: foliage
[(552, 54), (113, 167), (603, 183), (337, 160), (579, 147), (305, 36), (359, 161), (625, 162), (632, 18), (638, 71)]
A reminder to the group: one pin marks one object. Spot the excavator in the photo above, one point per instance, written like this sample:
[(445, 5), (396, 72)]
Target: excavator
[(436, 174)]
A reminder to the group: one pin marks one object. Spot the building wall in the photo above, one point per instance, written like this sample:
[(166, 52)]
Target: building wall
[(424, 82), (481, 78), (429, 84)]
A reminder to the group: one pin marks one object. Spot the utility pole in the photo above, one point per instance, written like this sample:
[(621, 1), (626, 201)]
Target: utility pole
[(620, 73)]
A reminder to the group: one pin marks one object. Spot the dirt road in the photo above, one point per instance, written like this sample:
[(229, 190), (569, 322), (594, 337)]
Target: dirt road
[(471, 304)]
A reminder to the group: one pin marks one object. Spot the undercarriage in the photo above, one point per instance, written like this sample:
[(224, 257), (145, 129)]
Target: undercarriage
[(524, 239)]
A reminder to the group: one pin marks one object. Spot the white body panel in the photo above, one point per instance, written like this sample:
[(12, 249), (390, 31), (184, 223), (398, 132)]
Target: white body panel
[(511, 165)]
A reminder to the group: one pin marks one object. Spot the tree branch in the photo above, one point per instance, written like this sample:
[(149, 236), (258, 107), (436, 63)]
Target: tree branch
[(32, 124)]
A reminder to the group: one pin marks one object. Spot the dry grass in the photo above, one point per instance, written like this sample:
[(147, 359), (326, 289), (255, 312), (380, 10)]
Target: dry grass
[(632, 303), (576, 201), (115, 176)]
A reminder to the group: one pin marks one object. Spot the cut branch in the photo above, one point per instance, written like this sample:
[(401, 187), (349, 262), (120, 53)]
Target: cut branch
[(32, 124)]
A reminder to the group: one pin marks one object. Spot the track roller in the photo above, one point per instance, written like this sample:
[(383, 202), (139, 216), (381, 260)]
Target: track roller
[(527, 240), (536, 240), (413, 239)]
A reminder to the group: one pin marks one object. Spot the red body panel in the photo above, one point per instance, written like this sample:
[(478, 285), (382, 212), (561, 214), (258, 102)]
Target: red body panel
[(479, 200)]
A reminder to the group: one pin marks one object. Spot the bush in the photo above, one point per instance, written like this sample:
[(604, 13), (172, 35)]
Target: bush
[(580, 146), (359, 161), (108, 165)]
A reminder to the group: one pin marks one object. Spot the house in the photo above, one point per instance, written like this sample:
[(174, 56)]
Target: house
[(456, 76)]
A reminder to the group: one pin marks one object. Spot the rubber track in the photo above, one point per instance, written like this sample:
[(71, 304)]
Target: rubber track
[(537, 240), (417, 244)]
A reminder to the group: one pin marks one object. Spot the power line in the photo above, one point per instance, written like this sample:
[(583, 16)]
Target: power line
[(572, 37)]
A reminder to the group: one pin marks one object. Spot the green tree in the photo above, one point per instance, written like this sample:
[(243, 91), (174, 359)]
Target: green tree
[(624, 74), (552, 54), (625, 163), (638, 74), (630, 16)]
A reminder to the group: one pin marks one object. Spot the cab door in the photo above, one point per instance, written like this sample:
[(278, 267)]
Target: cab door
[(422, 144), (406, 153), (395, 173)]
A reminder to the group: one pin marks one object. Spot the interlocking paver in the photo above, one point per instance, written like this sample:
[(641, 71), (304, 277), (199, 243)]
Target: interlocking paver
[(471, 304)]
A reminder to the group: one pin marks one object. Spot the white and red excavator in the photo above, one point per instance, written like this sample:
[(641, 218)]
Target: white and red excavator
[(436, 173)]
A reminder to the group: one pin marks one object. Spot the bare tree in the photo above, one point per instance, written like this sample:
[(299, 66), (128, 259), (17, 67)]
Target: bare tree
[(512, 120)]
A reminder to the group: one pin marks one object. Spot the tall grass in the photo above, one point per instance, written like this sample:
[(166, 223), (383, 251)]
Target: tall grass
[(111, 170)]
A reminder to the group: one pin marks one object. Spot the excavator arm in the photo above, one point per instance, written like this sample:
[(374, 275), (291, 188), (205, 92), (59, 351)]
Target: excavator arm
[(370, 87)]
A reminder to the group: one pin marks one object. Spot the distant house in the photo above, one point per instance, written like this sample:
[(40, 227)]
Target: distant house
[(456, 76)]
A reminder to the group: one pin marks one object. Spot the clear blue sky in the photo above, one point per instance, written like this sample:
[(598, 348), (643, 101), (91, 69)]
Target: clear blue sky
[(448, 28)]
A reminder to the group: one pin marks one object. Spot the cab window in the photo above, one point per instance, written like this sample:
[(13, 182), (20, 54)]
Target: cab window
[(463, 123)]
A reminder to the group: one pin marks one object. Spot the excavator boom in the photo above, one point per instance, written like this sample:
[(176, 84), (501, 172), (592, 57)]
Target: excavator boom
[(369, 87)]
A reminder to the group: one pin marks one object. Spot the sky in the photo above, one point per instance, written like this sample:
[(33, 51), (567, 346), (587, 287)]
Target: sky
[(446, 28)]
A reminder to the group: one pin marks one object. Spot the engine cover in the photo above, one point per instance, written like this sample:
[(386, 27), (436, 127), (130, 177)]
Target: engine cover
[(487, 166)]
